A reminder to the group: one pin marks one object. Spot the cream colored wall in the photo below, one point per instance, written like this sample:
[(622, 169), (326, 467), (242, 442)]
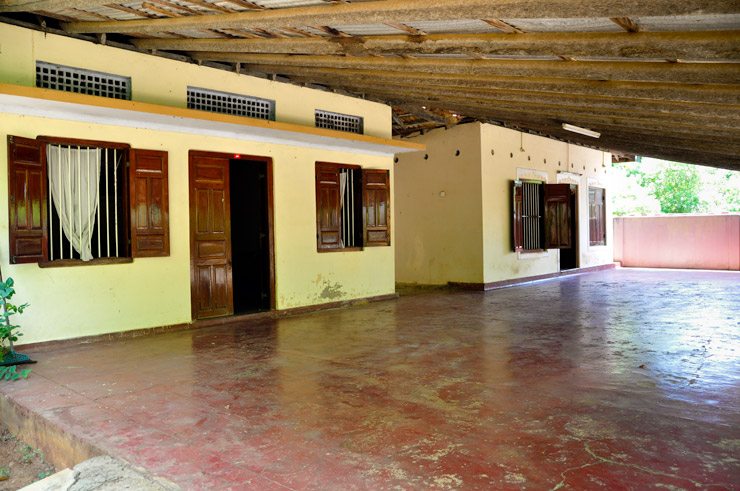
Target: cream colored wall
[(89, 300), (466, 236), (507, 152), (438, 209), (162, 81)]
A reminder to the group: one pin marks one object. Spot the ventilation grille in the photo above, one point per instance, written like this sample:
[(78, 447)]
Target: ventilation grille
[(226, 103), (78, 80), (339, 122)]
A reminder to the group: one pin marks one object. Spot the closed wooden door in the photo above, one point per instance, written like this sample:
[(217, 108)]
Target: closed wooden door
[(210, 232)]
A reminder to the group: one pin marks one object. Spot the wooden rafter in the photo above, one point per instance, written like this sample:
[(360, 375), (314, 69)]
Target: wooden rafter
[(614, 82), (719, 73), (376, 12), (719, 94), (626, 23), (706, 45)]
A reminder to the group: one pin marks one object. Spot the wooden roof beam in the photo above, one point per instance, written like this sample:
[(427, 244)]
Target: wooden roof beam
[(706, 45), (719, 73), (713, 116), (719, 94), (380, 12), (590, 118)]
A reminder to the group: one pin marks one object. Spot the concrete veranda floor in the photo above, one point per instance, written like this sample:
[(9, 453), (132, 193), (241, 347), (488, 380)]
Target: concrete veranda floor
[(625, 379)]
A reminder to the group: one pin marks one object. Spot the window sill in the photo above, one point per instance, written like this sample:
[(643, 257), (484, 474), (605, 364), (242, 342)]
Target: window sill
[(341, 249), (65, 263), (597, 245), (533, 254)]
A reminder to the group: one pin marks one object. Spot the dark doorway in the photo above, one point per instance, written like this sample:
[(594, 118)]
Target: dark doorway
[(250, 235), (569, 256)]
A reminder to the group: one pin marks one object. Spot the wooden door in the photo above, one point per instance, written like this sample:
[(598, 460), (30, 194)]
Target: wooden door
[(210, 236), (558, 214)]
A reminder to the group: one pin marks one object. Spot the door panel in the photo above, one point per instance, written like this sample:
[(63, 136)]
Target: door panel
[(210, 248), (558, 214)]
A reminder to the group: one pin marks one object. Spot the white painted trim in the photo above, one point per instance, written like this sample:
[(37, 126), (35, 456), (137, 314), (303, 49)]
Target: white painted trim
[(531, 174), (162, 118), (569, 178)]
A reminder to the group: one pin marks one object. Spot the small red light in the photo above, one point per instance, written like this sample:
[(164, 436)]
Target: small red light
[(237, 156)]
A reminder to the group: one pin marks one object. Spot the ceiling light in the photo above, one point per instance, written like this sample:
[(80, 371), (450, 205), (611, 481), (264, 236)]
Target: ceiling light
[(582, 131)]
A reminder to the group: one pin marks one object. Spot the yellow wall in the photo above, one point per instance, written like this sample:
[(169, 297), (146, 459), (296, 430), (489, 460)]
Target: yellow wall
[(162, 81), (466, 236), (503, 152), (88, 300), (438, 210)]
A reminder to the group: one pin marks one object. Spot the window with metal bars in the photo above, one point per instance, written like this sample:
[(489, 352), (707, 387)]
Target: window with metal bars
[(72, 201), (339, 122), (227, 103), (532, 215), (82, 81), (528, 216), (543, 216), (87, 202)]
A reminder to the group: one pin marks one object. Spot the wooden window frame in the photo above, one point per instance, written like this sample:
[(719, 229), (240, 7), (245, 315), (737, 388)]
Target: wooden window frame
[(551, 204), (370, 188), (127, 204), (597, 230)]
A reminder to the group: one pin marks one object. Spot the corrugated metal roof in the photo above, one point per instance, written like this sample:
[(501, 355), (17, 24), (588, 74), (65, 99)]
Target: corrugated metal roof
[(471, 25), (564, 25), (368, 29), (690, 23)]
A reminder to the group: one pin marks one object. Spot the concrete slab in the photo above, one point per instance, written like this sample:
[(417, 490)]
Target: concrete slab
[(102, 473), (619, 379)]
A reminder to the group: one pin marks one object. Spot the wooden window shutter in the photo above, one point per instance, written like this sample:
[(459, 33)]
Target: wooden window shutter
[(517, 230), (597, 216), (328, 225), (27, 195), (376, 193), (148, 176), (557, 216)]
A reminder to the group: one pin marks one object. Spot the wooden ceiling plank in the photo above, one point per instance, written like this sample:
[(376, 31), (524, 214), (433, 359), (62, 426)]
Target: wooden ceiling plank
[(707, 45), (379, 12)]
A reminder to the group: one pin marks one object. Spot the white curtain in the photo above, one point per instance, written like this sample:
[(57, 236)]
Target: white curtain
[(342, 189), (74, 177)]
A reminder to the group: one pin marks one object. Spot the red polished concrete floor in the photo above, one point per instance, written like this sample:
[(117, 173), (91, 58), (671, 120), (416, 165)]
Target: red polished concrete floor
[(623, 379)]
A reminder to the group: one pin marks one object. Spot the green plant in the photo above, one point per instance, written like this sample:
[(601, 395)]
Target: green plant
[(4, 473), (8, 330), (44, 474), (28, 454), (12, 373)]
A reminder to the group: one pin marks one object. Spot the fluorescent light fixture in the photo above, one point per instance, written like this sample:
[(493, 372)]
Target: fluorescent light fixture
[(582, 131)]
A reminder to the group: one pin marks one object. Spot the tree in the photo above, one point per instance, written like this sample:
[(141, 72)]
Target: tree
[(676, 188)]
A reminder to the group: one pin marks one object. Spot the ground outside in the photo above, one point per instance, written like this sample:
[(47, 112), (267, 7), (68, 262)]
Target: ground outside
[(622, 379)]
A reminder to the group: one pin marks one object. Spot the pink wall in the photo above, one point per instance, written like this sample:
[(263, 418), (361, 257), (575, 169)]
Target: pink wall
[(678, 241)]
